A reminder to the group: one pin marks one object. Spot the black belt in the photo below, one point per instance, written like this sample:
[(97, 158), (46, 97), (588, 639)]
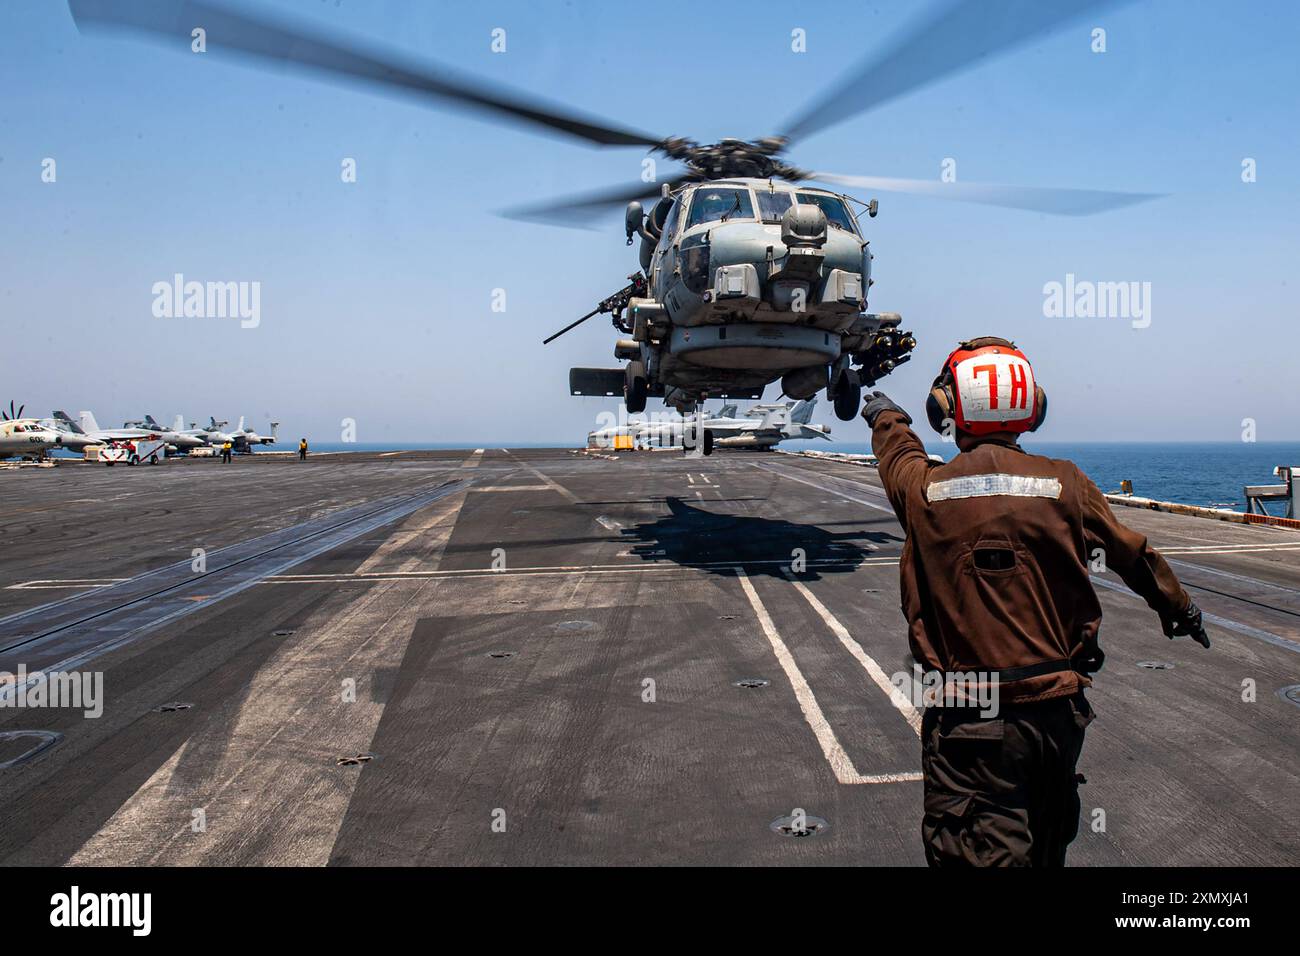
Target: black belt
[(1009, 675)]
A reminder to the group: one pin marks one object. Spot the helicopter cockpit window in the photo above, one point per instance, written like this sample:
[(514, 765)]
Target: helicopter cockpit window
[(772, 205), (718, 205), (836, 214)]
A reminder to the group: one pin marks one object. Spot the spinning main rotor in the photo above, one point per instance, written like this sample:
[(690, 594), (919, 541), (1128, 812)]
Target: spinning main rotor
[(952, 37)]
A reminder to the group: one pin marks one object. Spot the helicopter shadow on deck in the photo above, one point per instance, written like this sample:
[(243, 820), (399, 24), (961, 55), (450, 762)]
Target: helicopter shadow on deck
[(696, 538)]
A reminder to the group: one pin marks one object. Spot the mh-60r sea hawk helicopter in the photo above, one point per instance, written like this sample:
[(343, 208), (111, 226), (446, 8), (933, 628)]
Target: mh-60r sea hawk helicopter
[(747, 276), (746, 280)]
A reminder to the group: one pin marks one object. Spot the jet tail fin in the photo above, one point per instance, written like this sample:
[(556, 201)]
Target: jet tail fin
[(802, 412), (88, 422), (179, 424), (64, 419), (149, 420), (727, 411)]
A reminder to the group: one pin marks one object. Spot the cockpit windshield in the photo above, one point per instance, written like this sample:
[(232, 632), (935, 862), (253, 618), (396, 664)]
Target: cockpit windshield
[(719, 205), (772, 205), (836, 213)]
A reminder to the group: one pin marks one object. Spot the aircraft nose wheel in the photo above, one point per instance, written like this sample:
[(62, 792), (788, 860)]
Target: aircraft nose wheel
[(848, 396)]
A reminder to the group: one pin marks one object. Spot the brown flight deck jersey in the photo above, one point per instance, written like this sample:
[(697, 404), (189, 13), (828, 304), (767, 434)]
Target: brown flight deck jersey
[(995, 567)]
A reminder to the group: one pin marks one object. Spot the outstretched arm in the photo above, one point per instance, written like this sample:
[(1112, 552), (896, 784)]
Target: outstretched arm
[(1141, 566)]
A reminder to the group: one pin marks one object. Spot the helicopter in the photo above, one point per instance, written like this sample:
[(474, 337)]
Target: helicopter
[(749, 273)]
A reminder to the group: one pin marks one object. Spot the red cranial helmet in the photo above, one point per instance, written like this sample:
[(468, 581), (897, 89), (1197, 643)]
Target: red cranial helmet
[(986, 385)]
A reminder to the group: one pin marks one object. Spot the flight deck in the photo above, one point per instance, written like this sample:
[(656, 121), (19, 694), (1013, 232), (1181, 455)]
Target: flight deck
[(551, 657)]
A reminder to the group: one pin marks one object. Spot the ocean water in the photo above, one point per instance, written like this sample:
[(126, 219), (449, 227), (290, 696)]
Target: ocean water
[(1195, 473)]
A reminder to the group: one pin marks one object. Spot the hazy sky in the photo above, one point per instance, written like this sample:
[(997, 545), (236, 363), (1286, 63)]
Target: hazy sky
[(376, 295)]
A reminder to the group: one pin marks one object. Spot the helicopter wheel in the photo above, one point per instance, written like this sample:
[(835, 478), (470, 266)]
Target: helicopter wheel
[(635, 388), (848, 396), (708, 441)]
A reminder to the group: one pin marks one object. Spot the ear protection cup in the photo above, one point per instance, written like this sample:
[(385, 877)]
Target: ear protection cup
[(939, 403), (1040, 403)]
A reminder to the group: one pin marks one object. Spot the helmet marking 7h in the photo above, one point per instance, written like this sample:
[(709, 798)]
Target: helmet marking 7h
[(986, 385)]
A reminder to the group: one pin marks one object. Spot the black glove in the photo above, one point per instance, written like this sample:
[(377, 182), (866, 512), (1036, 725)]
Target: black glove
[(878, 402), (1186, 624)]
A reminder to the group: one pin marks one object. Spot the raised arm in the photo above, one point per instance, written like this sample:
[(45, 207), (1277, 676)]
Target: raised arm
[(902, 459)]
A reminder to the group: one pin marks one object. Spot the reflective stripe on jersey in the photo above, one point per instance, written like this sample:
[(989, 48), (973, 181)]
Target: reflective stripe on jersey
[(987, 486)]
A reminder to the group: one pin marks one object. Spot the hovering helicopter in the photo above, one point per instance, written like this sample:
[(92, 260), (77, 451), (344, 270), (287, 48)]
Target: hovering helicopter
[(748, 275)]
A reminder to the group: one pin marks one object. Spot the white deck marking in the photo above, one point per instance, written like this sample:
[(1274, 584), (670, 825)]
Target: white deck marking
[(515, 488), (628, 568), (52, 583), (840, 763), (1230, 549), (473, 460), (874, 670), (545, 479)]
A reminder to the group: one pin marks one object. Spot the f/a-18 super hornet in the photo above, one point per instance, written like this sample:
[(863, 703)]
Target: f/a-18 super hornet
[(763, 427), (86, 431), (749, 273), (241, 438)]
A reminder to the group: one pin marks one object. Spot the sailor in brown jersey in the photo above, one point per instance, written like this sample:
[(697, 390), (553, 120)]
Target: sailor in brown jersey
[(996, 592)]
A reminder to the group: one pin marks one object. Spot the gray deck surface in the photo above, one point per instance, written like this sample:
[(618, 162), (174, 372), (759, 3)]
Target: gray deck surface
[(617, 573)]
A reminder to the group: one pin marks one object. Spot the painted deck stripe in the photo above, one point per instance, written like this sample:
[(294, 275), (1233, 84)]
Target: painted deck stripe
[(840, 763), (874, 670)]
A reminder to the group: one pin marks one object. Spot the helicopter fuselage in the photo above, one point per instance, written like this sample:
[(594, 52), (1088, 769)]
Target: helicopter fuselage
[(748, 281)]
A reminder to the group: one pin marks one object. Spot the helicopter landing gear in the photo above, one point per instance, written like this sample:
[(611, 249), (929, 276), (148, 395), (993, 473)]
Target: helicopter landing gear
[(635, 387), (848, 395)]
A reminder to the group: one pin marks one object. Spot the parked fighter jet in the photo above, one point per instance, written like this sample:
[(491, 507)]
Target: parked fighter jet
[(241, 438), (177, 438), (249, 436), (763, 427), (92, 434)]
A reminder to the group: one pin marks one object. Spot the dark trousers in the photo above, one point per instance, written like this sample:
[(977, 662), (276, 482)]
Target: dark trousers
[(302, 454), (225, 457), (1002, 791)]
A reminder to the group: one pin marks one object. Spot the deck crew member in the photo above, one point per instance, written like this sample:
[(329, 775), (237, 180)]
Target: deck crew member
[(225, 452), (999, 605), (302, 449)]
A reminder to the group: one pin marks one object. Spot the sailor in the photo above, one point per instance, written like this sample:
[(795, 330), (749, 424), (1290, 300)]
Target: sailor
[(302, 449), (1001, 613), (225, 452)]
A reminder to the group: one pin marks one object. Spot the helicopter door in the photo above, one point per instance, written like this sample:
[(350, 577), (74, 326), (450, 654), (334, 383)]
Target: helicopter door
[(665, 258)]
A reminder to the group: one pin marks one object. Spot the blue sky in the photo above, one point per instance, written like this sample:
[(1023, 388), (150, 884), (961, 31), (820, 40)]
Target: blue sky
[(376, 295)]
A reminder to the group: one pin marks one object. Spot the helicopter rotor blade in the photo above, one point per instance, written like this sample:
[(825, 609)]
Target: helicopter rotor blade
[(1058, 202), (582, 211), (265, 40), (952, 37)]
